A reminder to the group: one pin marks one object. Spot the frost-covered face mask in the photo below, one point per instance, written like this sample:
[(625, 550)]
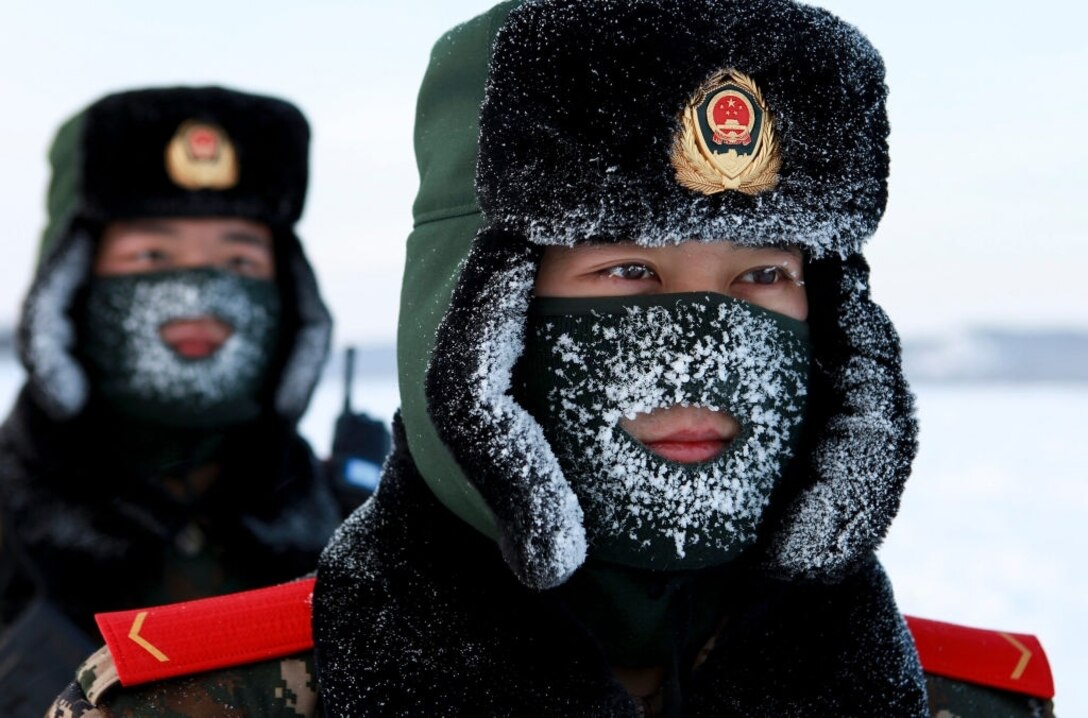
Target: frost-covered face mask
[(590, 362), (134, 371)]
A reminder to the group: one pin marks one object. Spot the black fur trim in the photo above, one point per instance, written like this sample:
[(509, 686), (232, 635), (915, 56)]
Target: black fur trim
[(415, 614), (864, 431), (500, 447), (124, 138), (309, 346), (583, 103), (47, 335)]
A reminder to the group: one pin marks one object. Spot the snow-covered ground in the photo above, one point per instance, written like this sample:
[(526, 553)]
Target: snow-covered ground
[(991, 529), (993, 524)]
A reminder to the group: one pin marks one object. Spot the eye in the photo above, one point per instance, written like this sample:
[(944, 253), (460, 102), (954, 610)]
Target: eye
[(630, 272), (150, 256), (764, 275), (240, 264), (247, 265)]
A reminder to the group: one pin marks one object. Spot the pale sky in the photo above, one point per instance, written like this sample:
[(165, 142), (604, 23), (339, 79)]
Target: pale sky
[(986, 223)]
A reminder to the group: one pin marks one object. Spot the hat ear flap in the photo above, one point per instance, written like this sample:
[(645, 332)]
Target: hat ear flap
[(498, 444), (47, 335), (864, 440), (311, 346)]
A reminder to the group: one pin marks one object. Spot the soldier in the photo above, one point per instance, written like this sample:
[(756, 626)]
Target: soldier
[(172, 337), (653, 426)]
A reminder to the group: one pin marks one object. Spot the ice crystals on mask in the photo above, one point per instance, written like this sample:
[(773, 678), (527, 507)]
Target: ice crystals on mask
[(130, 312), (717, 353)]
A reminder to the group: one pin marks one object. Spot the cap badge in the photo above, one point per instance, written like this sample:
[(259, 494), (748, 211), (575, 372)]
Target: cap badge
[(726, 139), (201, 156)]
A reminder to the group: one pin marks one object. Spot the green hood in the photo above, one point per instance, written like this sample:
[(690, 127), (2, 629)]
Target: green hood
[(447, 218), (65, 191)]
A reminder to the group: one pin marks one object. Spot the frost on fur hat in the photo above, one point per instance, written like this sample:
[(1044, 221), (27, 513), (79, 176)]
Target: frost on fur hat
[(585, 100), (660, 121)]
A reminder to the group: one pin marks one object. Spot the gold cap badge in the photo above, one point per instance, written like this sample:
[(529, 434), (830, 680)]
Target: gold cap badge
[(726, 139), (201, 156)]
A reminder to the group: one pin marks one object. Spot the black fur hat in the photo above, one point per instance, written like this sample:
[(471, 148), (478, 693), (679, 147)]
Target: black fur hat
[(585, 103), (606, 120), (180, 152)]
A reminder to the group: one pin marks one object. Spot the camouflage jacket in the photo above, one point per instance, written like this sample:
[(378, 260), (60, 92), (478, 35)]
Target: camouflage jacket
[(280, 688), (287, 688)]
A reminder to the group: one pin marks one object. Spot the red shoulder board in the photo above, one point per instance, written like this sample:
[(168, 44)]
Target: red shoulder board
[(155, 643), (1007, 661)]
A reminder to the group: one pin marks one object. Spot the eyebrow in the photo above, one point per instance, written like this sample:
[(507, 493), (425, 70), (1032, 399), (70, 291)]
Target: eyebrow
[(249, 238), (150, 225)]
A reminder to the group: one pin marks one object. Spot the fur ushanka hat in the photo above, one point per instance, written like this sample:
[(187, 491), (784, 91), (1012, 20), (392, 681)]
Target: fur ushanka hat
[(169, 153), (760, 122)]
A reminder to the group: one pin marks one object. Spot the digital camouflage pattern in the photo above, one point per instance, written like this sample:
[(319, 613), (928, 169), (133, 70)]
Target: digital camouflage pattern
[(281, 688), (287, 688), (955, 699)]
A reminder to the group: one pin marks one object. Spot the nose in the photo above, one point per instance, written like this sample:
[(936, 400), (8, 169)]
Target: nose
[(194, 258), (699, 277)]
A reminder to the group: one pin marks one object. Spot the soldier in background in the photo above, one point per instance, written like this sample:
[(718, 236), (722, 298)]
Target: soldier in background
[(172, 338)]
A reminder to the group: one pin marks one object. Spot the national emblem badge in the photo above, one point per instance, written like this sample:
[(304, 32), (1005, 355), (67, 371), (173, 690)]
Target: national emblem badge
[(727, 138), (201, 156)]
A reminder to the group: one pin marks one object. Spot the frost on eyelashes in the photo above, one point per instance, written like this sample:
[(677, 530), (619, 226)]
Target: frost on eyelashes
[(721, 356)]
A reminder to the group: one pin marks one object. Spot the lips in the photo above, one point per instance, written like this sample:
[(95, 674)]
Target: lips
[(197, 338), (689, 446)]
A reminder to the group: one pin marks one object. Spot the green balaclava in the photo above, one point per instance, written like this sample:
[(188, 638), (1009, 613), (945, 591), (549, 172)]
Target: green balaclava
[(588, 363), (139, 376), (652, 524)]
